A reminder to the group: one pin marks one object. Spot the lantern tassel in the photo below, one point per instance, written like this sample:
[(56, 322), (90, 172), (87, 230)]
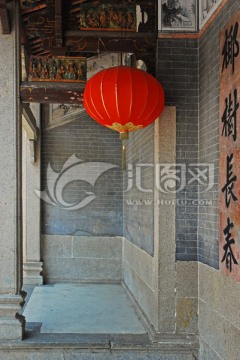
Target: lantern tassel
[(124, 158), (124, 136)]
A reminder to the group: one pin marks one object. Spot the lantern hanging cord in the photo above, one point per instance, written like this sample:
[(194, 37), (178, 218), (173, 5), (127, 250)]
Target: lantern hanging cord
[(98, 50)]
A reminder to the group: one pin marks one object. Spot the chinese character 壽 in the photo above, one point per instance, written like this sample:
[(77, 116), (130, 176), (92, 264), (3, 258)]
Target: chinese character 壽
[(229, 118), (228, 253), (228, 187), (231, 47)]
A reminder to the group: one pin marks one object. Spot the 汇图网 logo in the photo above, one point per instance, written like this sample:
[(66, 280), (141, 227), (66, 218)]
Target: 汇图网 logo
[(74, 169)]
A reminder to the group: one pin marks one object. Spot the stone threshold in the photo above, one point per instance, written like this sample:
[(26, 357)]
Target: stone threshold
[(142, 343)]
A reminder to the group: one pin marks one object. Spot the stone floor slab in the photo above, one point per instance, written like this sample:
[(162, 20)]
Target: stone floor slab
[(82, 309)]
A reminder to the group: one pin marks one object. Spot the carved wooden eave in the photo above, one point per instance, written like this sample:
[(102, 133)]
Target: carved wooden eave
[(6, 29), (51, 28), (52, 93)]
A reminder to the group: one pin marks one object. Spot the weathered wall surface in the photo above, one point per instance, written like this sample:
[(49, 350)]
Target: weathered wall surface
[(219, 295), (93, 143)]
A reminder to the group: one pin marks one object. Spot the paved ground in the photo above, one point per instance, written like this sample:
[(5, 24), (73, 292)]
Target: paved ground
[(81, 309)]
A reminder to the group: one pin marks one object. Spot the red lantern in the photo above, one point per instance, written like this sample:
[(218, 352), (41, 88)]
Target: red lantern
[(123, 98)]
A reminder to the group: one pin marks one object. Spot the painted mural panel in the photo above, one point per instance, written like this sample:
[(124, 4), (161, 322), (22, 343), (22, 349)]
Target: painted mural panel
[(107, 17), (206, 9), (229, 149), (61, 114), (106, 60), (60, 69), (177, 15)]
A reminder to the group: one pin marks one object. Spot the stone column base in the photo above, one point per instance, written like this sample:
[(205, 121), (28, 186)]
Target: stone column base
[(31, 273), (12, 324)]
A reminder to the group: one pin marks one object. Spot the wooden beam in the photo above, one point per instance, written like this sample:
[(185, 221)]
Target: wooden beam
[(4, 18), (29, 123), (77, 2), (88, 41), (111, 34), (52, 93), (33, 9)]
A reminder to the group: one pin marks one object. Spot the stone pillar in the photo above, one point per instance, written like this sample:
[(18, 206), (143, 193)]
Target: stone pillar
[(164, 224), (32, 266), (11, 324)]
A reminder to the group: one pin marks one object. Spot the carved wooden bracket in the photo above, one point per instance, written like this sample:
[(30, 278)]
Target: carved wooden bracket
[(30, 126), (29, 122)]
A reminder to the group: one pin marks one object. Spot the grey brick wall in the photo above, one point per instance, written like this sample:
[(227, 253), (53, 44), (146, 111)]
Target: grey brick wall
[(208, 240), (177, 70), (90, 142), (138, 204)]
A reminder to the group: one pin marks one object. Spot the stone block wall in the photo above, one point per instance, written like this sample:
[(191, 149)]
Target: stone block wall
[(219, 320), (140, 277), (81, 259)]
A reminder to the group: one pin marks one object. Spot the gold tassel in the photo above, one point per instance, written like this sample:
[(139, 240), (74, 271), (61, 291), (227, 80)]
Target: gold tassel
[(124, 136)]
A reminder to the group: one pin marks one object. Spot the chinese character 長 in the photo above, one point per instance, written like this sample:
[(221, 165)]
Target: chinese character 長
[(228, 187)]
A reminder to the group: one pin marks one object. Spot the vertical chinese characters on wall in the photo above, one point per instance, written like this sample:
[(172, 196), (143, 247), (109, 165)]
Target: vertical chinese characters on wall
[(229, 148)]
